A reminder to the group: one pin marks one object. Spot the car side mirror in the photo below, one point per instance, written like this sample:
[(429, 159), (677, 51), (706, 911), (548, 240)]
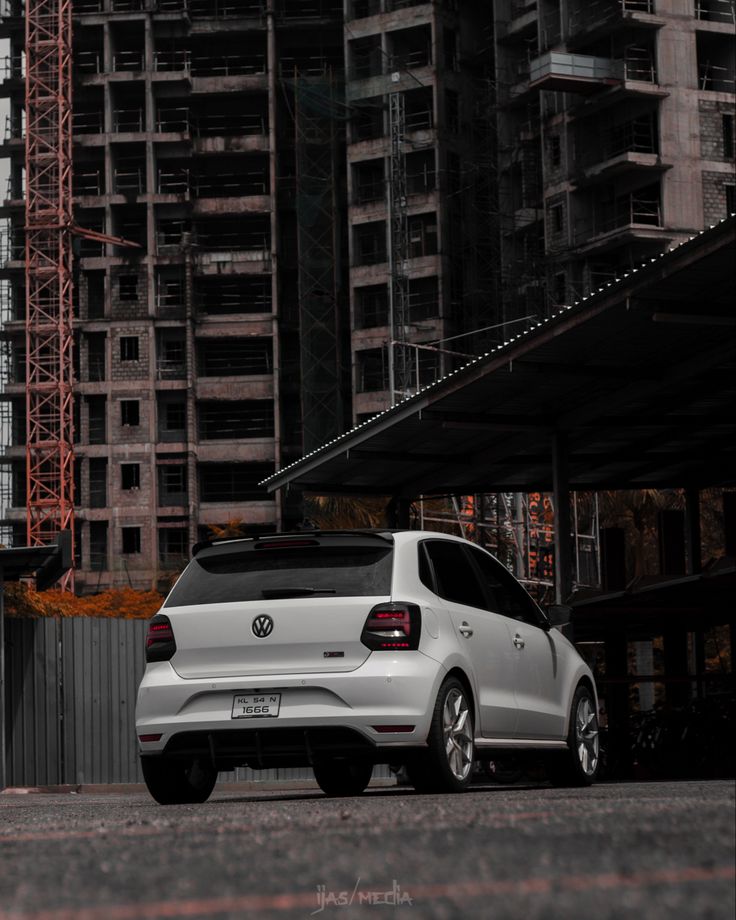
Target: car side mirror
[(559, 614)]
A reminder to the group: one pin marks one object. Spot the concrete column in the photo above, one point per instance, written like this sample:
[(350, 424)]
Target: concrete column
[(692, 531), (397, 512), (561, 502), (613, 559), (676, 665), (617, 703)]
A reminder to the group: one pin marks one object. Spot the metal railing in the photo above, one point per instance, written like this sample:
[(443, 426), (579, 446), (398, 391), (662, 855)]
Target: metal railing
[(173, 120), (209, 124), (12, 130), (88, 122), (229, 185), (228, 65), (420, 120), (170, 232), (235, 242), (716, 78), (165, 61), (309, 9), (715, 11), (88, 182), (370, 190), (589, 13), (127, 60), (421, 182), (12, 247), (167, 369), (306, 65), (223, 9), (173, 182), (88, 61), (410, 60), (636, 136), (12, 67), (129, 179), (128, 121), (625, 211), (639, 64)]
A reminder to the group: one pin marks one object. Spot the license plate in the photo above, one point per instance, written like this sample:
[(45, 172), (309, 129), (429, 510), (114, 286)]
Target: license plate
[(256, 705)]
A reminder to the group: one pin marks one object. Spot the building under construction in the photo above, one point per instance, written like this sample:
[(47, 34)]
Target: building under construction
[(287, 215)]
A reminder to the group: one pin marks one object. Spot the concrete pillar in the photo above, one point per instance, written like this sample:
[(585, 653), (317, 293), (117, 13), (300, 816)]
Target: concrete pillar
[(561, 503), (729, 523), (397, 512), (676, 666), (692, 532), (613, 559), (617, 703), (671, 533)]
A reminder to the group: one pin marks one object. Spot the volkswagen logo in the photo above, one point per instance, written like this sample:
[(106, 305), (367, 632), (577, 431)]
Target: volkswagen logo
[(262, 626)]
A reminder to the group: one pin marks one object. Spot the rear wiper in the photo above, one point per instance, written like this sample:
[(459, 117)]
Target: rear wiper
[(272, 593)]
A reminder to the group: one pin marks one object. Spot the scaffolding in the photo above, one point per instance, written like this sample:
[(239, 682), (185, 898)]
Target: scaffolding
[(48, 272), (318, 116), (518, 528)]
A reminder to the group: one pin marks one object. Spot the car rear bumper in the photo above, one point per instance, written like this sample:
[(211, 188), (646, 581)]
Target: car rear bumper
[(320, 715)]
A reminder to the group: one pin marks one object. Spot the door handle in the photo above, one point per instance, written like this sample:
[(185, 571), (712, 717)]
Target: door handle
[(465, 630), (518, 641)]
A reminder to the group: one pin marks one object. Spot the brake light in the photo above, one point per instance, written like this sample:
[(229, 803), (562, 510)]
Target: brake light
[(390, 627), (284, 544), (160, 642)]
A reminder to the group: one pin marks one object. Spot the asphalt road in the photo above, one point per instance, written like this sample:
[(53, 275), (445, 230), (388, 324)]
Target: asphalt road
[(646, 850)]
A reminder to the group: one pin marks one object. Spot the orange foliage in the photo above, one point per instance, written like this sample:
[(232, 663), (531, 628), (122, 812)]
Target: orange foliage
[(122, 603)]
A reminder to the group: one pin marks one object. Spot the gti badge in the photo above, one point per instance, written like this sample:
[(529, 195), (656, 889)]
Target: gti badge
[(262, 626)]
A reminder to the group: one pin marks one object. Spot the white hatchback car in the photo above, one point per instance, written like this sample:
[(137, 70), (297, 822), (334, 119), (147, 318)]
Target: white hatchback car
[(341, 650)]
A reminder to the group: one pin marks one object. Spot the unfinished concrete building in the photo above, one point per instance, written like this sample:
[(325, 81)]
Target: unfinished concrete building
[(212, 134), (418, 84), (616, 137), (187, 348)]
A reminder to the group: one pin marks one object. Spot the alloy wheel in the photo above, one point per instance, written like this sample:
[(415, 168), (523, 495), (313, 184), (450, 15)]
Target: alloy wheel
[(586, 736), (456, 728)]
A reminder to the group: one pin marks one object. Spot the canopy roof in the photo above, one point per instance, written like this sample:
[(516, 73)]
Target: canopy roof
[(640, 377)]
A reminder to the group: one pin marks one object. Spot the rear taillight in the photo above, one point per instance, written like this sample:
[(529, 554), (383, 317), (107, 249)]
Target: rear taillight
[(392, 627), (160, 643)]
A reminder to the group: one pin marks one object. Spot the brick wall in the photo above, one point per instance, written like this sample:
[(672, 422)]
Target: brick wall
[(711, 128), (714, 195), (130, 370)]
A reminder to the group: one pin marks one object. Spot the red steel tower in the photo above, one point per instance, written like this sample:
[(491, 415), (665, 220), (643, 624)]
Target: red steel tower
[(48, 274)]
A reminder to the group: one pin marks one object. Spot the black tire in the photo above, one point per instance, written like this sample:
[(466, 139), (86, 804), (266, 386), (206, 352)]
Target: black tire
[(579, 765), (178, 782), (434, 770), (343, 777)]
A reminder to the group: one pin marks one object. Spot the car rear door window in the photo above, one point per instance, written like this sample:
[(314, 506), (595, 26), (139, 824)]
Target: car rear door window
[(455, 577), (505, 594), (245, 573)]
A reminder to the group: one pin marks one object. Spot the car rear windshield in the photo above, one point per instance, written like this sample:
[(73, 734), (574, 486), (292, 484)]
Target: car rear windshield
[(247, 574)]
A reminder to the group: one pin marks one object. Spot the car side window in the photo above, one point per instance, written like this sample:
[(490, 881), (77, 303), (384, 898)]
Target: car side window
[(507, 597), (454, 574)]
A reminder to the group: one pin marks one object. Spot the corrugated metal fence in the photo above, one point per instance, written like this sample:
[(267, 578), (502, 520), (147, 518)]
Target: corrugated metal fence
[(70, 696), (70, 700)]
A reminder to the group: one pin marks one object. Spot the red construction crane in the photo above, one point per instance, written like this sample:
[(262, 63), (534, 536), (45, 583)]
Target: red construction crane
[(48, 277), (49, 227)]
